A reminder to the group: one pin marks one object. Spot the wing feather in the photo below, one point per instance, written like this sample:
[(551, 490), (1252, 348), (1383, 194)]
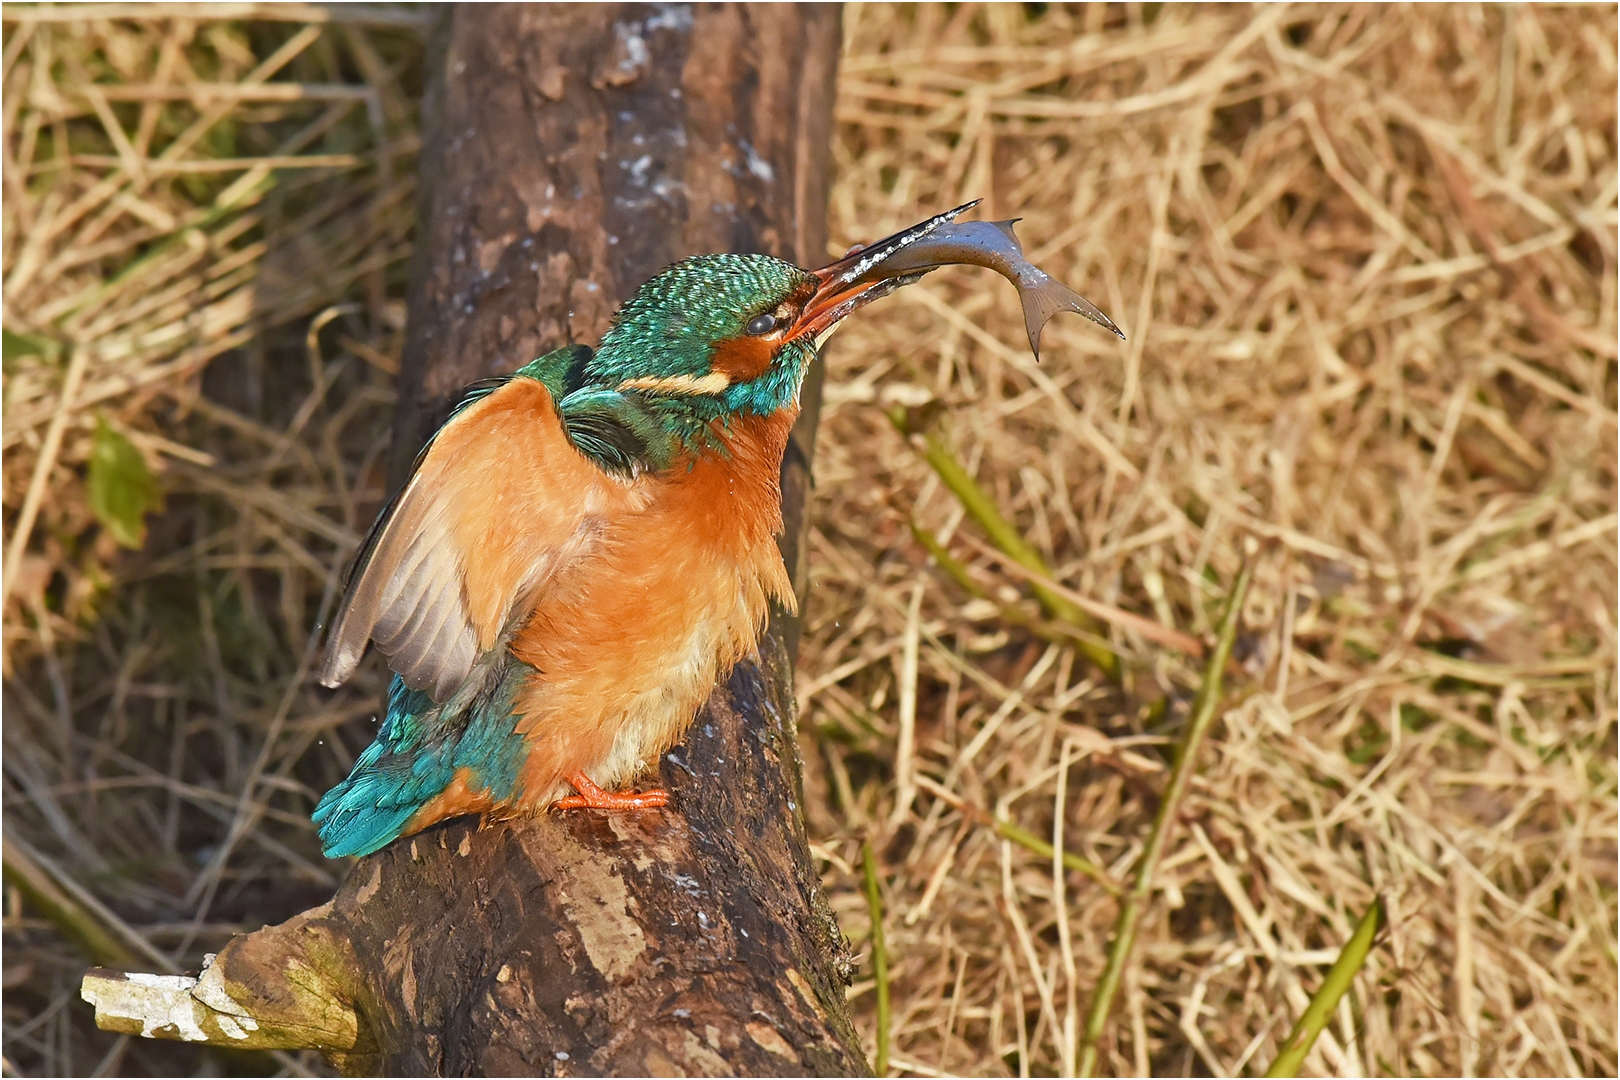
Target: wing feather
[(436, 622), (401, 576), (500, 501)]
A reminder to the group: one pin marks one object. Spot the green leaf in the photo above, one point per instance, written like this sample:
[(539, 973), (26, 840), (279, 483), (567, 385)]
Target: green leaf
[(122, 489), (14, 346)]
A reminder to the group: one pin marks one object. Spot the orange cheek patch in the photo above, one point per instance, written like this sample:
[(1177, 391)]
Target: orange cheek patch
[(742, 359)]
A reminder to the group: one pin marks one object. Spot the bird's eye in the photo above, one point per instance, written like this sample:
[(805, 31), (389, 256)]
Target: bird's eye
[(762, 324)]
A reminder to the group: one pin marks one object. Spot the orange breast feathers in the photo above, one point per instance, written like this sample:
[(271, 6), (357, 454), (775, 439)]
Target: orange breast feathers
[(500, 503), (629, 644)]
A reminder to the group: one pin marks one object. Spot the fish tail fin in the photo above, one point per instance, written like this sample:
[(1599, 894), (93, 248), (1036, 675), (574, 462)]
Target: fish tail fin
[(417, 753), (1044, 296), (1045, 299)]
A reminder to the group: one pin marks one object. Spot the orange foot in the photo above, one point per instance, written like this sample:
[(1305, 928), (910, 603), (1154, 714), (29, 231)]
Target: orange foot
[(591, 797)]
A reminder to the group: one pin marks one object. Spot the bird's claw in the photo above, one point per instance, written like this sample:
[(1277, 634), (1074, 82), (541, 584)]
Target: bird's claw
[(592, 797)]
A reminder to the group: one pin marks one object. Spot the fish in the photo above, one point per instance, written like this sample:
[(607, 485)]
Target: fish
[(943, 241)]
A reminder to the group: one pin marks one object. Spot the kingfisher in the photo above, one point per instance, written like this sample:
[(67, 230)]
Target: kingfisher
[(587, 545)]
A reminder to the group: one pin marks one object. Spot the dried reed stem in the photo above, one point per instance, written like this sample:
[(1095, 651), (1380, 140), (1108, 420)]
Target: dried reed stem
[(43, 465), (1204, 710), (880, 959)]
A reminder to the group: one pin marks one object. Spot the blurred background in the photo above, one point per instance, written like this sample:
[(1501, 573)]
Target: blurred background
[(1366, 257)]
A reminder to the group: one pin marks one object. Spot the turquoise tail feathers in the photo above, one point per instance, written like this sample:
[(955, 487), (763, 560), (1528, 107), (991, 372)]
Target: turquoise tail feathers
[(415, 756)]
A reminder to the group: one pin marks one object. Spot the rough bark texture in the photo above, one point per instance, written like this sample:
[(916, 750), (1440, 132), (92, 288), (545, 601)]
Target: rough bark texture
[(570, 153)]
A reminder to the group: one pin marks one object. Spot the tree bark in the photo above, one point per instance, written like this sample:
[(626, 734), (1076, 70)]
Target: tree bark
[(569, 154)]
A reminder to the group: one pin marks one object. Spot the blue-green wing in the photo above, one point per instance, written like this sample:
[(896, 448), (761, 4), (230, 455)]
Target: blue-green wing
[(416, 754)]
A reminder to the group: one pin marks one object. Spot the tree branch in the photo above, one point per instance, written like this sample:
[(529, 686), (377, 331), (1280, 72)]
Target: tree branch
[(571, 152)]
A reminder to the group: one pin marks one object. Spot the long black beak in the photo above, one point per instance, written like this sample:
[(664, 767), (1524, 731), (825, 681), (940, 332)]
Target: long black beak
[(859, 277)]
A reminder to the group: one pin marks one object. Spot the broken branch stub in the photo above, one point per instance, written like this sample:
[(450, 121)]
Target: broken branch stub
[(277, 989)]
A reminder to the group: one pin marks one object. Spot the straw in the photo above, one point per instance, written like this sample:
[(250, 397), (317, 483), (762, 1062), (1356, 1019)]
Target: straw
[(1366, 258)]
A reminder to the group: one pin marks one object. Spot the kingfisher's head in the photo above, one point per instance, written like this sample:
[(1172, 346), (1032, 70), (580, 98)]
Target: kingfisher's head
[(727, 334)]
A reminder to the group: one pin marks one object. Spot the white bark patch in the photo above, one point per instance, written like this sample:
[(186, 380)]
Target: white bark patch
[(689, 1058), (598, 904), (230, 1027), (701, 1057), (369, 889), (161, 982), (155, 1001), (642, 860), (770, 1039), (806, 994)]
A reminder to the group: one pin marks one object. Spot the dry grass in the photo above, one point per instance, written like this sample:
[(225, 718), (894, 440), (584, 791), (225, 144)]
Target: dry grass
[(206, 225), (1366, 258)]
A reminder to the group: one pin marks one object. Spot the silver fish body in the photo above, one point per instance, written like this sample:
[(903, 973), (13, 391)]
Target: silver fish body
[(870, 271), (992, 244)]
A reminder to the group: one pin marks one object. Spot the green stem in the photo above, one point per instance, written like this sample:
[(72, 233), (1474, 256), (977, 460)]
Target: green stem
[(1204, 709), (947, 562), (1339, 977), (880, 960), (982, 509), (1025, 839), (1056, 633)]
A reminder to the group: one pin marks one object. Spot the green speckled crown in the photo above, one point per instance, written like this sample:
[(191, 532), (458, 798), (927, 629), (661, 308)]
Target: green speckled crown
[(666, 334), (672, 323)]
